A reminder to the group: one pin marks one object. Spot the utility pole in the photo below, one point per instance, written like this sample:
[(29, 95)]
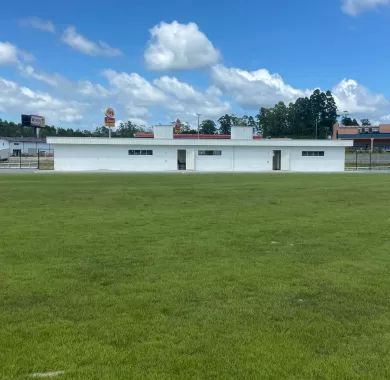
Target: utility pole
[(199, 115)]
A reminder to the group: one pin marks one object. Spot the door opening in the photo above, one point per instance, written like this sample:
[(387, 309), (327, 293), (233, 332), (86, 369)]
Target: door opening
[(277, 160), (181, 159)]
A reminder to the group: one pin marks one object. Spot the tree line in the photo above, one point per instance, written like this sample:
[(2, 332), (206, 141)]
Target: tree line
[(307, 117), (11, 129)]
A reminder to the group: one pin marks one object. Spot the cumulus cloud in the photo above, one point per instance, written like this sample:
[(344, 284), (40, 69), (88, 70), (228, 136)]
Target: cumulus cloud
[(354, 7), (18, 99), (353, 97), (87, 88), (82, 44), (252, 89), (134, 87), (187, 101), (178, 46), (38, 23)]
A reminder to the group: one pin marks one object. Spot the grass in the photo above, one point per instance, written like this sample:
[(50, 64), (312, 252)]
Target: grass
[(117, 276)]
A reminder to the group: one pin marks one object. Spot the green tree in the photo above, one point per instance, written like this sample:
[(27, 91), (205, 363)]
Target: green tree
[(208, 127), (225, 124), (348, 122), (365, 122)]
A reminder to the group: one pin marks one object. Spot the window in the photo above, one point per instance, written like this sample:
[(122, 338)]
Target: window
[(309, 153), (209, 152), (140, 152)]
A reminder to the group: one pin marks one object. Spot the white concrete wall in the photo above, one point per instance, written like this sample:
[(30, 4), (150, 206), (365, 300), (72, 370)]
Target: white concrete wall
[(163, 132), (29, 147), (4, 150), (104, 157), (333, 161), (221, 163), (252, 159), (241, 133), (164, 158)]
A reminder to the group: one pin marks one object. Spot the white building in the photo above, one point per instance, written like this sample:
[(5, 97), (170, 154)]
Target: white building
[(28, 146), (4, 149), (165, 152)]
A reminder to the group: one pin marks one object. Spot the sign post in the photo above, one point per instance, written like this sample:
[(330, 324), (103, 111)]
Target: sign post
[(109, 120)]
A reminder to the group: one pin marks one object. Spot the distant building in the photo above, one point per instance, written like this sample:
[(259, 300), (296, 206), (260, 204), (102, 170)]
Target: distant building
[(365, 137), (28, 146), (164, 151), (4, 149)]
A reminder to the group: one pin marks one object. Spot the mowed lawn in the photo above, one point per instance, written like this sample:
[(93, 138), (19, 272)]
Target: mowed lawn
[(224, 276)]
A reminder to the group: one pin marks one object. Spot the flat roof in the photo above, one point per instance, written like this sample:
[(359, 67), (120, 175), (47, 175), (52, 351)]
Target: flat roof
[(195, 142), (24, 139)]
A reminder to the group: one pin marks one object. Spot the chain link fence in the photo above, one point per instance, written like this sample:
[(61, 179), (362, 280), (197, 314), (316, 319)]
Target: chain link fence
[(362, 159)]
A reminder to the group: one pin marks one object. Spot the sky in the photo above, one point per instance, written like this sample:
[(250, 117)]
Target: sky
[(155, 61)]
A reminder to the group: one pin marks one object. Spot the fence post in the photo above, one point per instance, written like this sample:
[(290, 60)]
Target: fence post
[(20, 160), (356, 166), (370, 159), (38, 159)]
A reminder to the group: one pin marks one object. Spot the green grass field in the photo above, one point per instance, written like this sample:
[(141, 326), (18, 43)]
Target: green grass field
[(239, 276)]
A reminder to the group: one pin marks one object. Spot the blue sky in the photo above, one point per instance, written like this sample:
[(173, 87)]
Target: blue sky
[(154, 61)]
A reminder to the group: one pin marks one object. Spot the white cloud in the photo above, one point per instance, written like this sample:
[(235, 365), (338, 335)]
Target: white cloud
[(87, 88), (178, 46), (134, 93), (252, 89), (354, 7), (187, 101), (18, 99), (10, 54), (134, 87), (353, 97), (80, 43), (38, 23), (50, 79)]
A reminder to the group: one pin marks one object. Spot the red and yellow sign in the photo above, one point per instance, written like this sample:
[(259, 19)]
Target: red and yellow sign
[(109, 119)]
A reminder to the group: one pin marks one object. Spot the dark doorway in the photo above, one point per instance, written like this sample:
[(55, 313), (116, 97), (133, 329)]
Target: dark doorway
[(181, 159), (277, 160)]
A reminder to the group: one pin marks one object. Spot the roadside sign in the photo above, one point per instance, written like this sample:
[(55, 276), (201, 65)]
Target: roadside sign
[(109, 119)]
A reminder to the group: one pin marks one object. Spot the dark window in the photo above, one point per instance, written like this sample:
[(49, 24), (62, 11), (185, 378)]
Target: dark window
[(209, 152), (140, 152), (312, 153)]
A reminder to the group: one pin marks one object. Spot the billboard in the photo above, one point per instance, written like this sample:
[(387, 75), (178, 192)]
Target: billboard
[(34, 121), (109, 119)]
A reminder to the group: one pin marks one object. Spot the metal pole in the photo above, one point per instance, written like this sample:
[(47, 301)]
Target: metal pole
[(198, 123), (356, 159), (20, 159), (38, 159), (370, 159)]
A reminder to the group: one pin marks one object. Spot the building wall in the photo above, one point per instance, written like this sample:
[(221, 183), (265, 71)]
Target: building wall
[(4, 149), (104, 157), (30, 148), (333, 160), (164, 158)]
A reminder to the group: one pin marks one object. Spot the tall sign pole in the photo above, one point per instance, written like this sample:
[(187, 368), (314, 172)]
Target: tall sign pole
[(109, 120)]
